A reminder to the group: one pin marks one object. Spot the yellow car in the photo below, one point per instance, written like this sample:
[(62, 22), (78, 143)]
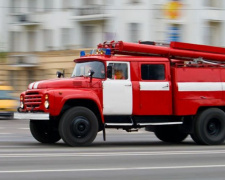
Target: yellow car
[(8, 103)]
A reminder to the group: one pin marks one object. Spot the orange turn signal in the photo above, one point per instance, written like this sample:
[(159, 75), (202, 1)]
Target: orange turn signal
[(46, 96)]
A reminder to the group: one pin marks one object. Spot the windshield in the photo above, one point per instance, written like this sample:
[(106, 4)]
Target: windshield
[(82, 69), (6, 94)]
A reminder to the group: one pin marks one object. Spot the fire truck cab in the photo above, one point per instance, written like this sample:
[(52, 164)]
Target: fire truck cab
[(173, 90)]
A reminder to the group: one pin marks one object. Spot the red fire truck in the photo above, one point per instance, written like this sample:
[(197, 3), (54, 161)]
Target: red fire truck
[(173, 90)]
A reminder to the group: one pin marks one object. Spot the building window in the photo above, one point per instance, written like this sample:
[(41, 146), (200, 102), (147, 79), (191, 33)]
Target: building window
[(88, 36), (48, 39), (31, 40), (15, 6), (134, 29), (92, 2), (152, 72), (65, 35), (134, 1), (32, 5), (66, 4), (15, 41), (12, 41), (213, 33), (158, 11), (48, 5), (213, 3)]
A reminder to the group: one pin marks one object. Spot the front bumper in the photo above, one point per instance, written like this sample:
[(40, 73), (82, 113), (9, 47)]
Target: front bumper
[(31, 116)]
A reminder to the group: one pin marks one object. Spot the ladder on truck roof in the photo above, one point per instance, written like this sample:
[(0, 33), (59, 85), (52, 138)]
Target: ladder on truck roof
[(175, 50)]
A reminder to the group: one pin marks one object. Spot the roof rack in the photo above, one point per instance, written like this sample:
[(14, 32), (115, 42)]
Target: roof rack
[(177, 50)]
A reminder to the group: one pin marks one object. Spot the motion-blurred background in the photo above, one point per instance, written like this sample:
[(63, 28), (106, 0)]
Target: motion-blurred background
[(39, 37)]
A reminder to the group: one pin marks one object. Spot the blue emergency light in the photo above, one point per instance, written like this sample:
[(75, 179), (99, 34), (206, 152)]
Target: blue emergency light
[(108, 52), (82, 53)]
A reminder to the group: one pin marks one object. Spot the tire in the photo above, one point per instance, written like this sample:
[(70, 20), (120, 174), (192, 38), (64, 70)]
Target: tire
[(209, 127), (78, 126), (170, 133), (44, 131), (196, 139)]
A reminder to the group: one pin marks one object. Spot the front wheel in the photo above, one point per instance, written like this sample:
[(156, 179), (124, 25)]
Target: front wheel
[(170, 133), (44, 131), (78, 126)]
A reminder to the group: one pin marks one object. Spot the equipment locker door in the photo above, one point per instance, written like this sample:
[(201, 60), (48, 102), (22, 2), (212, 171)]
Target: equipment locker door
[(155, 89), (117, 91)]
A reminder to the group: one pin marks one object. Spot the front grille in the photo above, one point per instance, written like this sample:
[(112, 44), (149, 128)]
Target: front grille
[(32, 99)]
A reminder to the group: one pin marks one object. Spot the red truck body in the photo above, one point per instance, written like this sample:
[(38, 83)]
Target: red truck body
[(172, 90)]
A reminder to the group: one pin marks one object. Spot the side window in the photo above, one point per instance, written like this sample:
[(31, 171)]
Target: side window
[(119, 71), (152, 72)]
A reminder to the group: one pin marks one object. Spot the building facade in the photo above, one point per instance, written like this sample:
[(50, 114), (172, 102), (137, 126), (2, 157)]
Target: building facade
[(45, 25), (43, 36)]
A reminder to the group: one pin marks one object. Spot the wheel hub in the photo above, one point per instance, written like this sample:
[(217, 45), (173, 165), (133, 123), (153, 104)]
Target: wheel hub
[(213, 127), (80, 126)]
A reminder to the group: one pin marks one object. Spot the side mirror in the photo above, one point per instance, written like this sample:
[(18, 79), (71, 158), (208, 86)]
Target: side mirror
[(59, 74), (91, 73), (109, 72)]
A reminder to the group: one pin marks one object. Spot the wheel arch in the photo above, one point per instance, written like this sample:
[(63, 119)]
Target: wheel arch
[(203, 108), (88, 103)]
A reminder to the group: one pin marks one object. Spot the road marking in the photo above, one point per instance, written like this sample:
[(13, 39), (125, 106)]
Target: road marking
[(5, 133), (110, 154), (114, 169)]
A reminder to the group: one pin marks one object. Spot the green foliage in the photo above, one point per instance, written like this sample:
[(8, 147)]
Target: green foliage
[(3, 56)]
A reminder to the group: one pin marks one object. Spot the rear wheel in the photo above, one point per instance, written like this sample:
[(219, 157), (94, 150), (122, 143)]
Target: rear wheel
[(78, 126), (196, 139), (44, 131), (170, 133), (209, 127)]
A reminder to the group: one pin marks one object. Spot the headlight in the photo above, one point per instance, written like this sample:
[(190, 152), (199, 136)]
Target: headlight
[(21, 105), (46, 104)]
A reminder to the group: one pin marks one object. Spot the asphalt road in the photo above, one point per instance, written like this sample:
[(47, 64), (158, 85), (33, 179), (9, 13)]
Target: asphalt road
[(133, 156)]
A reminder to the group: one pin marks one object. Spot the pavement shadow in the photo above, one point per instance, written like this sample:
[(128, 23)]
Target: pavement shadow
[(102, 144), (111, 144)]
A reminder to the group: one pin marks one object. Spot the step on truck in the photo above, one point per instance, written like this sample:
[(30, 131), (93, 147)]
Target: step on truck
[(173, 90)]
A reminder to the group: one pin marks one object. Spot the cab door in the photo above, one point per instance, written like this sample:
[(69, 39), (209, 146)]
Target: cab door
[(155, 88), (117, 90)]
